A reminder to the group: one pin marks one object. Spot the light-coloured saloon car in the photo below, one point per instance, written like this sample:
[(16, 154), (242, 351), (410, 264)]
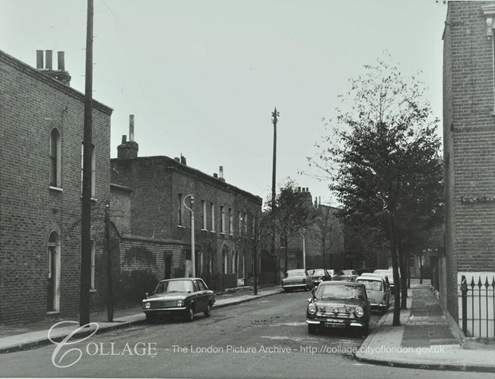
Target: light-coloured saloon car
[(297, 279)]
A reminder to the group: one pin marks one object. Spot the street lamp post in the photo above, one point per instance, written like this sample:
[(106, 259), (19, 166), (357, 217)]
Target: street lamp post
[(193, 253), (302, 231)]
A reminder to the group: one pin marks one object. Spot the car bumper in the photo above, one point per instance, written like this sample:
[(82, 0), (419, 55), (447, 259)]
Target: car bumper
[(165, 311), (300, 285), (333, 323)]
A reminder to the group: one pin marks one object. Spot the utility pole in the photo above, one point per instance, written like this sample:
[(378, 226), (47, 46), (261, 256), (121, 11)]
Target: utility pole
[(275, 115), (87, 176), (109, 265)]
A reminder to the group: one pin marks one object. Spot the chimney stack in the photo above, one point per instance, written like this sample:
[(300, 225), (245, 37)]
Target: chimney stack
[(39, 59), (128, 149), (131, 128), (183, 160), (220, 174), (61, 75), (48, 62), (61, 61)]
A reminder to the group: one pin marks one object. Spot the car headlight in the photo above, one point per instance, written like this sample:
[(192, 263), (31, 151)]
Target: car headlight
[(147, 305), (312, 309), (359, 312), (180, 303)]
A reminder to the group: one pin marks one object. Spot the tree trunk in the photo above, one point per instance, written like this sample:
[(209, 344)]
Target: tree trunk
[(420, 268), (403, 278), (395, 267)]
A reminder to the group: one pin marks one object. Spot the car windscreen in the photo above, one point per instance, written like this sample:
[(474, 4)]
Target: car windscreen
[(338, 292), (372, 285), (295, 273), (319, 272), (175, 286)]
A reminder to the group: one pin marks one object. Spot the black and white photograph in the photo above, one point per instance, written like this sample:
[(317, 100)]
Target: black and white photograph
[(247, 189)]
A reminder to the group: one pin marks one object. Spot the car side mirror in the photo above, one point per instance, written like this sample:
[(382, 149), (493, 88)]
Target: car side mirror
[(146, 294)]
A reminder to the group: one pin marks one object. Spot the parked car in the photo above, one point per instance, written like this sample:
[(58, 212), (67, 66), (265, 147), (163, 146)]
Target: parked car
[(378, 291), (339, 305), (333, 274), (319, 275), (297, 279), (349, 275), (179, 297), (387, 281), (389, 272)]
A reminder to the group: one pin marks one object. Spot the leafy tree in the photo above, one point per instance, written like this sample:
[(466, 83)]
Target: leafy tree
[(383, 159), (293, 212)]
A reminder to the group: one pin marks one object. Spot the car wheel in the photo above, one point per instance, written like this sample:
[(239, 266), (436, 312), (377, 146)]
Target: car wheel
[(207, 311), (366, 327), (189, 316), (151, 317), (311, 329)]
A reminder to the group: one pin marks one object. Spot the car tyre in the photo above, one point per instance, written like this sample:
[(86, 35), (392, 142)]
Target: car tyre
[(311, 329), (207, 311), (366, 327), (151, 317), (189, 316)]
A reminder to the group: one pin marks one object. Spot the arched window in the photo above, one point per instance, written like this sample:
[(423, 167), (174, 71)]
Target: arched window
[(225, 265), (55, 159)]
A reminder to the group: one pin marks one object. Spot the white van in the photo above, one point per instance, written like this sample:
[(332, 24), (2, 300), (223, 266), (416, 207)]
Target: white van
[(377, 290)]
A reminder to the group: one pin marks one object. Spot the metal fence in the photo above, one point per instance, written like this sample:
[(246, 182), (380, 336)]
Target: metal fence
[(477, 311)]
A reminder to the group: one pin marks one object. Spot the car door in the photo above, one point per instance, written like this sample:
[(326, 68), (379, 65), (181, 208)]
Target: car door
[(201, 296)]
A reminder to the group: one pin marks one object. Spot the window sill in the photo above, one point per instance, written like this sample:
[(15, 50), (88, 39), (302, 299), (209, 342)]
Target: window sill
[(204, 230), (52, 313), (181, 226), (58, 189), (213, 231), (92, 199), (92, 290)]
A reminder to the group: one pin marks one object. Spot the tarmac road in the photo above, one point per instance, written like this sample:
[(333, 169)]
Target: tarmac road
[(266, 338)]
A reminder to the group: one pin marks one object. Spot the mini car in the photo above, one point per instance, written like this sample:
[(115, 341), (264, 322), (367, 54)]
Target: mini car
[(377, 289), (319, 275), (297, 279), (339, 305), (182, 297), (349, 275)]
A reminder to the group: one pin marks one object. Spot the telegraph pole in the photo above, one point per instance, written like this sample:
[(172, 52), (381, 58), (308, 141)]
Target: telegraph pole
[(87, 176), (109, 265), (275, 115)]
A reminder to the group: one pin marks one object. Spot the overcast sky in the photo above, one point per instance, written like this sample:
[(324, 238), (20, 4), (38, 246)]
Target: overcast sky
[(202, 77)]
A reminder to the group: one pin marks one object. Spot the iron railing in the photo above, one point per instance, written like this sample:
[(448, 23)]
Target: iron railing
[(477, 307)]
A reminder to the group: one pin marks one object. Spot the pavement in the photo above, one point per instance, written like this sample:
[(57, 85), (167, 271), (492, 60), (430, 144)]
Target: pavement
[(424, 340), (27, 336)]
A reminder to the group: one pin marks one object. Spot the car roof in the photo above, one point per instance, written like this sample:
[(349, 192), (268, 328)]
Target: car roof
[(365, 277), (177, 279), (340, 283), (374, 274)]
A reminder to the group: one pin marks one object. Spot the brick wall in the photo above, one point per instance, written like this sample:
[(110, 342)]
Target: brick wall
[(469, 141), (31, 105), (156, 182)]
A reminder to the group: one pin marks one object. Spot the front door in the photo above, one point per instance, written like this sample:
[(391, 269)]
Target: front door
[(167, 259), (53, 276)]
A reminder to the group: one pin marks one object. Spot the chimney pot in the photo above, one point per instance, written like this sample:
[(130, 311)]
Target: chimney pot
[(177, 159), (124, 138), (48, 62), (39, 59), (183, 160), (61, 60), (215, 175), (220, 172), (131, 127)]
